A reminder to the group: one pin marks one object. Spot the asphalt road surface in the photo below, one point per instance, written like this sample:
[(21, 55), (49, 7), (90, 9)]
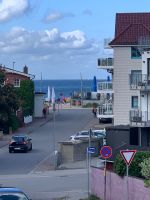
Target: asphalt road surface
[(18, 169)]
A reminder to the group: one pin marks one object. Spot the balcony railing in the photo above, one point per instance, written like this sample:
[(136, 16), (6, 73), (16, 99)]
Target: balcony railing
[(106, 62), (139, 81), (139, 116), (106, 109), (105, 87)]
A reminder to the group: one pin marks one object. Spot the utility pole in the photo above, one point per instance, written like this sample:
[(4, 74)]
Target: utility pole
[(81, 90)]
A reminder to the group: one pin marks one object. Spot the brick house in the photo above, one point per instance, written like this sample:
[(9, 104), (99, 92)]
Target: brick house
[(14, 77)]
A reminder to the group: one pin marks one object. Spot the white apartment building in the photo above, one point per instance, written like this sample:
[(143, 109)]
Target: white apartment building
[(131, 73)]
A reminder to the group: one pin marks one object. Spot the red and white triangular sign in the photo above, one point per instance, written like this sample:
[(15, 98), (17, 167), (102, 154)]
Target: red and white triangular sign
[(128, 155)]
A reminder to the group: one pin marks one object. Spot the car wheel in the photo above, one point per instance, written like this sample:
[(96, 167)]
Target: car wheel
[(10, 151), (25, 150), (31, 147)]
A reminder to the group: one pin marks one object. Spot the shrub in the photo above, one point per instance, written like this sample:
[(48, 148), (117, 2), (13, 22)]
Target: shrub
[(134, 168), (14, 123), (145, 168)]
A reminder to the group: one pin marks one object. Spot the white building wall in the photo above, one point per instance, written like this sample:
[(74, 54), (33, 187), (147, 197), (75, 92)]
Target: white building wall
[(38, 105), (123, 64)]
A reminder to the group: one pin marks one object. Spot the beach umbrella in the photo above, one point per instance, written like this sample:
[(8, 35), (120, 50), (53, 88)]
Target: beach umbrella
[(94, 84), (53, 96)]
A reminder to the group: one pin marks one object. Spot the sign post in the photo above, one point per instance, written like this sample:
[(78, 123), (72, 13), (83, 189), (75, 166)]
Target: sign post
[(128, 156), (106, 152)]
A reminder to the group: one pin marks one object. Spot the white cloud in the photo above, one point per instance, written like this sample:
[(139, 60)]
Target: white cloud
[(47, 42), (50, 51), (12, 8), (56, 15)]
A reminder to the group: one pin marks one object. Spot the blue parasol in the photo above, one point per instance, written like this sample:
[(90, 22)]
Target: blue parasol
[(94, 84)]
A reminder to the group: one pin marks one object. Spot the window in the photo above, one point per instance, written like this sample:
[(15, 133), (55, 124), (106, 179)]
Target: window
[(17, 83), (135, 53), (134, 102), (136, 77)]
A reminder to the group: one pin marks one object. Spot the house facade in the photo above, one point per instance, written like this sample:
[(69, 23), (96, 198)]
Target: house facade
[(15, 77), (131, 77)]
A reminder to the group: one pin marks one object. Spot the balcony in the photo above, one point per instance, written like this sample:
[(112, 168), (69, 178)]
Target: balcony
[(105, 87), (138, 117), (140, 82), (105, 111), (106, 63)]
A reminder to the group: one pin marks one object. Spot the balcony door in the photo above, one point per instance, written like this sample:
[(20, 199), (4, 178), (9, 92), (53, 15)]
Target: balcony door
[(148, 70)]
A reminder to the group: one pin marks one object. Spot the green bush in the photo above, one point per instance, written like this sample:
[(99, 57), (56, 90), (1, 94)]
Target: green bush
[(13, 122), (145, 168), (134, 168)]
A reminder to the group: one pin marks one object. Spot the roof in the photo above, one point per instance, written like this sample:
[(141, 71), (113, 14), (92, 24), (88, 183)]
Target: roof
[(9, 70), (10, 189), (132, 29)]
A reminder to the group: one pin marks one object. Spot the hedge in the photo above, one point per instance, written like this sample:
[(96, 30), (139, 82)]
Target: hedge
[(134, 168)]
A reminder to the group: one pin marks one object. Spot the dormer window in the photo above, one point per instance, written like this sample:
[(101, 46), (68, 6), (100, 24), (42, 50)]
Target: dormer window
[(135, 53), (17, 83)]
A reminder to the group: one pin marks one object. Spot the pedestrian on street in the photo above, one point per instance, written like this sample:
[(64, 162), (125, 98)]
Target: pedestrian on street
[(44, 112), (94, 111)]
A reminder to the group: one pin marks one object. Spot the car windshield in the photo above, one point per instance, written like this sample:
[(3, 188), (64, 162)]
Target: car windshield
[(18, 139), (12, 196)]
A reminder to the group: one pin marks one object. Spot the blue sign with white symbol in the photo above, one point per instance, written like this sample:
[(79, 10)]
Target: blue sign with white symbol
[(106, 151), (91, 149)]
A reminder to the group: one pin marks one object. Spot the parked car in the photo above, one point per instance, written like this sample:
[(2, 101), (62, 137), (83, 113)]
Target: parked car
[(12, 193), (20, 143), (84, 135)]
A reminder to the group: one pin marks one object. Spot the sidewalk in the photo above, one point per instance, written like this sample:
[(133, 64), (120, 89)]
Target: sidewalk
[(27, 129)]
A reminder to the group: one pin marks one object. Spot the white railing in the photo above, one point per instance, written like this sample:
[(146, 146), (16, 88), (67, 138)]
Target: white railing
[(104, 86), (106, 109)]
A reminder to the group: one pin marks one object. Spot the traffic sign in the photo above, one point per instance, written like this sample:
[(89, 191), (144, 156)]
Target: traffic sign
[(128, 155), (91, 149), (106, 152)]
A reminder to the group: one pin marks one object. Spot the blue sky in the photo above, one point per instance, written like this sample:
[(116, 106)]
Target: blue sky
[(61, 39)]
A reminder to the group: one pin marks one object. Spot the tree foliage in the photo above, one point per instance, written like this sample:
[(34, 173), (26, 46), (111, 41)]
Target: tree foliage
[(9, 103), (145, 168), (26, 96)]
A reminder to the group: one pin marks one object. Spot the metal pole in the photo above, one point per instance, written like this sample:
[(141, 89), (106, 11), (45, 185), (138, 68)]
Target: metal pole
[(88, 174), (54, 135), (105, 181), (127, 183), (89, 164), (81, 91)]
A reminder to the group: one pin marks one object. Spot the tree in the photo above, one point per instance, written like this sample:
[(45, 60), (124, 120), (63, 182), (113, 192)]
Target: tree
[(26, 96), (9, 103)]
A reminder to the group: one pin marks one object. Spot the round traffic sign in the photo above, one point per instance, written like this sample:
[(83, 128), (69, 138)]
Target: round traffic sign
[(106, 151)]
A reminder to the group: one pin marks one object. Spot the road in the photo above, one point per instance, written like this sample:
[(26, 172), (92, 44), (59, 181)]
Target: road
[(18, 169)]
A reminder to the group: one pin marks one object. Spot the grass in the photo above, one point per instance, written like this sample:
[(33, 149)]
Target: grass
[(92, 197)]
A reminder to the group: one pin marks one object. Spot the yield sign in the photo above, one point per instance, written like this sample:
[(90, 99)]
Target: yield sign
[(128, 155)]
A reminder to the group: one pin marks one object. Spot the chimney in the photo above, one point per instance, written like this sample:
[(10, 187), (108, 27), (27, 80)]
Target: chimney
[(25, 69)]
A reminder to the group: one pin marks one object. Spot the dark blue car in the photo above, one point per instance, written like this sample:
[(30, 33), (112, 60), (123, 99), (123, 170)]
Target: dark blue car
[(12, 193)]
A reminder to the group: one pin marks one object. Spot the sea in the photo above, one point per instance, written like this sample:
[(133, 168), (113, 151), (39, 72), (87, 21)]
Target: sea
[(64, 88)]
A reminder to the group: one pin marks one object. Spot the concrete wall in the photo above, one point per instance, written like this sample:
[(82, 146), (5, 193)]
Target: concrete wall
[(123, 64), (76, 152), (116, 186)]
